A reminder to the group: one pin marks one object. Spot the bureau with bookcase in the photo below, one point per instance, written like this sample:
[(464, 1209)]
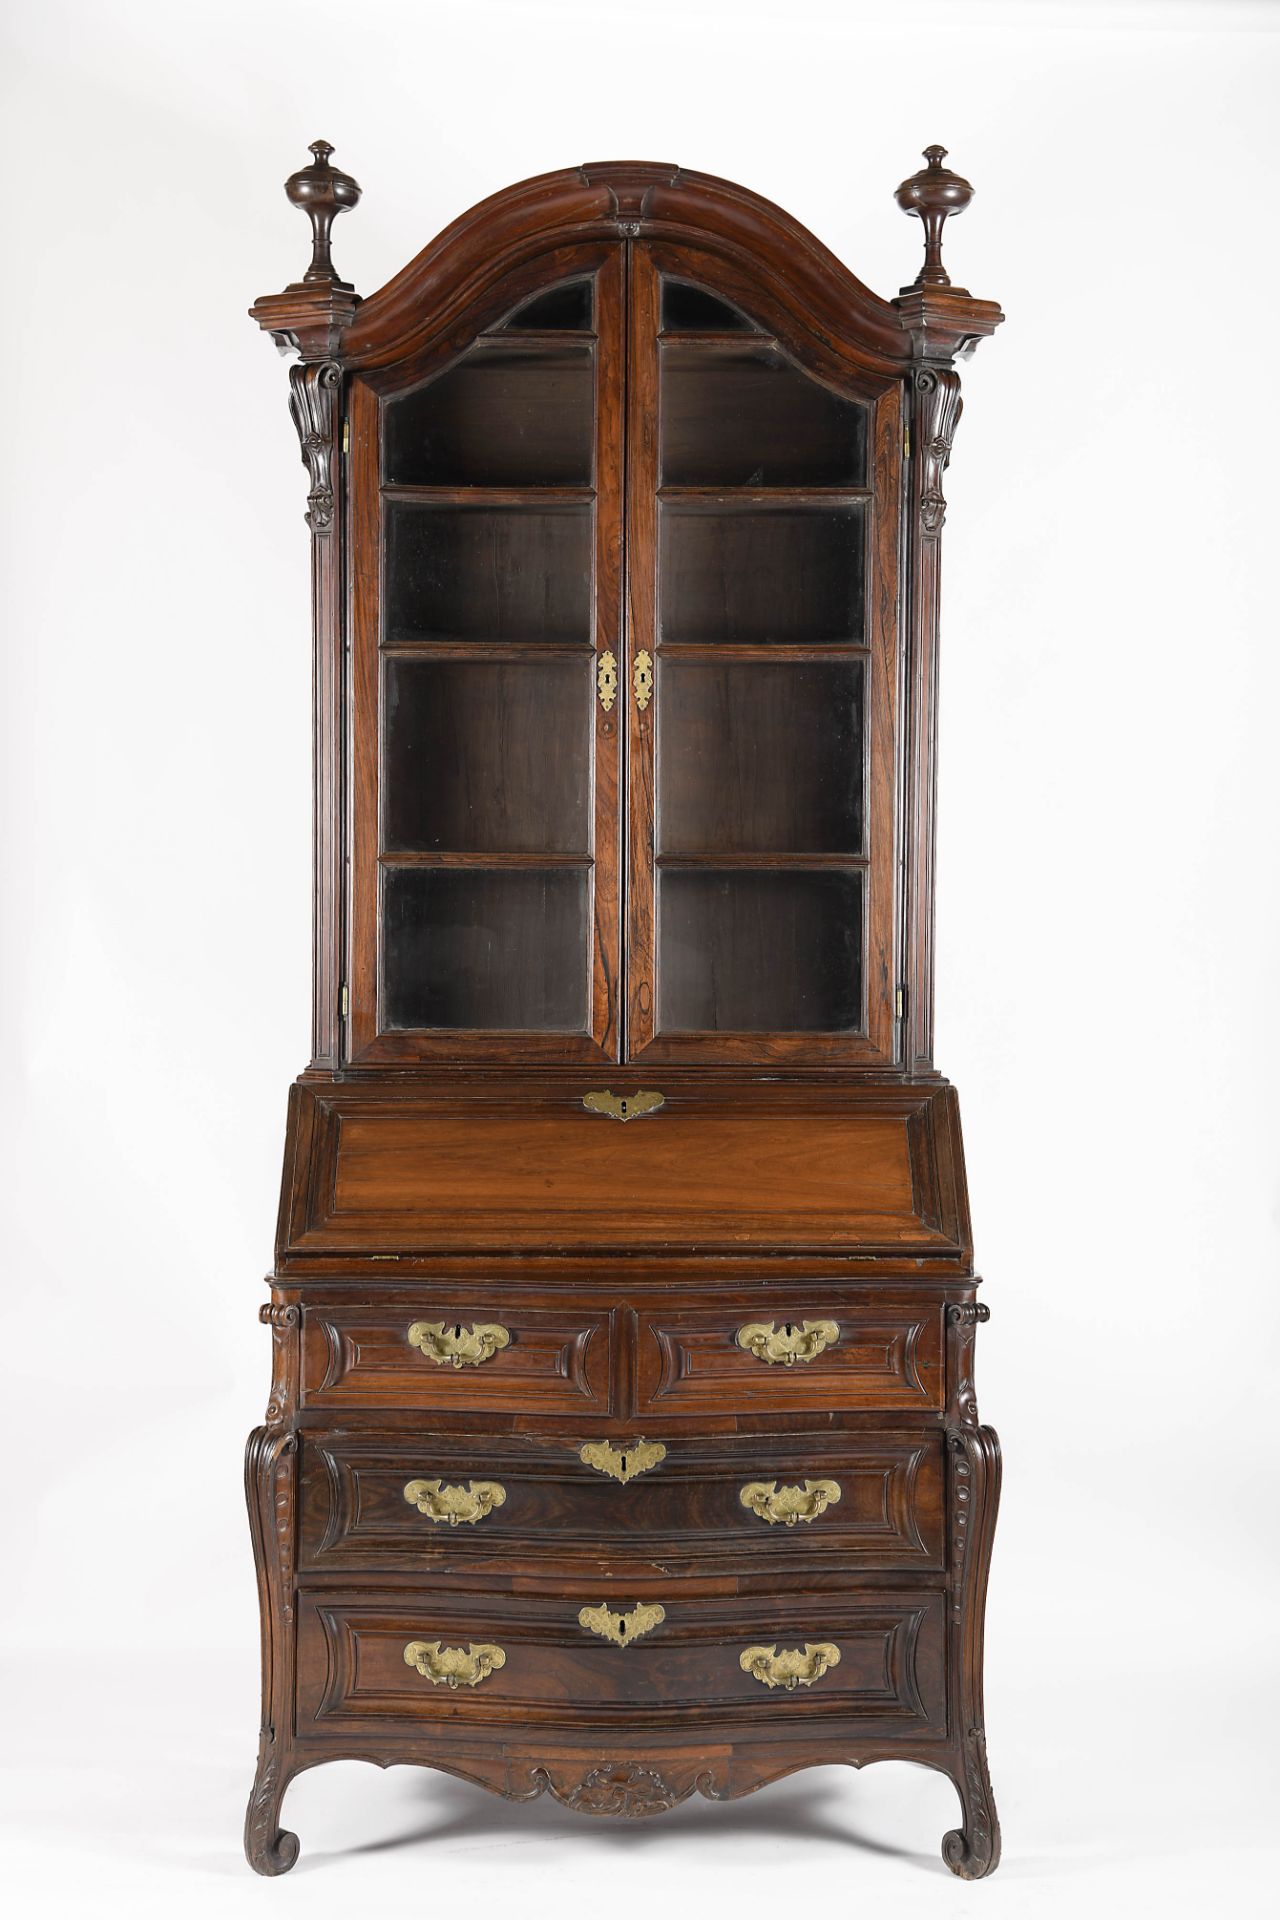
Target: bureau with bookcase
[(622, 1441)]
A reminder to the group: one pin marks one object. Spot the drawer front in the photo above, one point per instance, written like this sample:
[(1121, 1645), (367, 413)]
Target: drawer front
[(456, 1352), (367, 1663), (771, 1502), (791, 1353)]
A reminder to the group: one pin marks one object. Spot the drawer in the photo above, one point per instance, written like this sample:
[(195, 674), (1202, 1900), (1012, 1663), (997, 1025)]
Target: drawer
[(475, 1503), (367, 1663), (793, 1352), (461, 1351)]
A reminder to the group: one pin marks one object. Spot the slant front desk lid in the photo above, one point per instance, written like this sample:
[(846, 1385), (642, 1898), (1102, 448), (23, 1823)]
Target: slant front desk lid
[(623, 1165)]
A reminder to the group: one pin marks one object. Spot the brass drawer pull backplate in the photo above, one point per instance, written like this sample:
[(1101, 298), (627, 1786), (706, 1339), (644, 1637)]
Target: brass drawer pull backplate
[(621, 1625), (792, 1342), (793, 1667), (453, 1506), (772, 1503), (454, 1666), (458, 1346)]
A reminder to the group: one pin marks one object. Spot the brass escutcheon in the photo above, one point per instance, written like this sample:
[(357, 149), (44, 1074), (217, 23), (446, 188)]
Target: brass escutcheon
[(642, 679), (623, 1106), (792, 1343), (454, 1666), (772, 1503), (607, 681), (619, 1625), (791, 1668), (624, 1462), (452, 1506), (456, 1345)]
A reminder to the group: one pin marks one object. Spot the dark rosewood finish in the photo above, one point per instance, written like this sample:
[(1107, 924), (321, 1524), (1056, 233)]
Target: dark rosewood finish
[(624, 1447)]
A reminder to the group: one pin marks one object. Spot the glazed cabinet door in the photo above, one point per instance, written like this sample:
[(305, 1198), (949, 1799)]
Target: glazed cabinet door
[(486, 500), (763, 522)]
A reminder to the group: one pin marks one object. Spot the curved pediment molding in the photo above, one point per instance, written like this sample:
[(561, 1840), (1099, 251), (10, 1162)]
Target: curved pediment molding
[(514, 237)]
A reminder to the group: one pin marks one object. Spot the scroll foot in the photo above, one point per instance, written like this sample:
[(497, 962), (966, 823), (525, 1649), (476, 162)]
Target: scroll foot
[(268, 1847), (973, 1850)]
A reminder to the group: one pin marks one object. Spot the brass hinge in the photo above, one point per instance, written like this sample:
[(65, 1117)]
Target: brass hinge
[(343, 1002), (346, 436), (900, 1003), (906, 442)]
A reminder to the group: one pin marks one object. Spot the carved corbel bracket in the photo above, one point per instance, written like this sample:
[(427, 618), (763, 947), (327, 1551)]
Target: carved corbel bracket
[(937, 414), (313, 404)]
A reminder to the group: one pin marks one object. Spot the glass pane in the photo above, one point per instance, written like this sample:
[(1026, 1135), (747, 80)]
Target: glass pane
[(488, 573), (487, 756), (759, 952), (687, 309), (564, 307), (487, 949), (759, 758), (505, 416), (759, 575), (739, 417)]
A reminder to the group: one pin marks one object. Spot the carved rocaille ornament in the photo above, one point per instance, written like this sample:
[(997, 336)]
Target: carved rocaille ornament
[(623, 1787)]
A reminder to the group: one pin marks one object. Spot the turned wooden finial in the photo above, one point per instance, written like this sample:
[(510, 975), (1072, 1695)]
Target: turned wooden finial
[(322, 193), (932, 195)]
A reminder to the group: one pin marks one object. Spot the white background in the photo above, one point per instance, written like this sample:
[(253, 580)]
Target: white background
[(1107, 953)]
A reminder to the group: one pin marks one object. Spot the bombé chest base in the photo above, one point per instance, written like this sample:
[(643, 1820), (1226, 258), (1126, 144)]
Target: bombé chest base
[(623, 1460)]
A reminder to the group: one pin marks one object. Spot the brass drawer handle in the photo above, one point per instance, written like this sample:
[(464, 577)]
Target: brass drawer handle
[(458, 1346), (642, 679), (607, 681), (623, 1106), (791, 1343), (454, 1666), (772, 1503), (619, 1625), (455, 1506), (793, 1667), (624, 1462)]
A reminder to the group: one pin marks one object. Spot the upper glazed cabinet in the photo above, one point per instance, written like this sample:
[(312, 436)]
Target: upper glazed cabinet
[(624, 572)]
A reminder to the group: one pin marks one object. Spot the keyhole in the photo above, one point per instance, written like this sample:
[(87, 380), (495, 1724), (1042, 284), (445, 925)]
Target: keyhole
[(622, 1625), (622, 1108), (788, 1327), (457, 1331), (623, 1462)]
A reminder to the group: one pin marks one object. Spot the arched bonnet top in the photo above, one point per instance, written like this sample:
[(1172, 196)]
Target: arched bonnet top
[(536, 219)]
